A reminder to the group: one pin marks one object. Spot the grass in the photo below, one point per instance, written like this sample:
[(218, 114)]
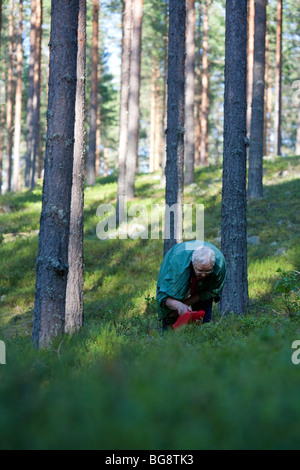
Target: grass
[(120, 384)]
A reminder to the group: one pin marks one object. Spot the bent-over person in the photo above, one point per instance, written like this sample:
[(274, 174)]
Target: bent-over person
[(191, 278)]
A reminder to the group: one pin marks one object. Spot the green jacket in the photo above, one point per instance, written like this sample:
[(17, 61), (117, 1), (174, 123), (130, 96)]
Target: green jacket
[(174, 279)]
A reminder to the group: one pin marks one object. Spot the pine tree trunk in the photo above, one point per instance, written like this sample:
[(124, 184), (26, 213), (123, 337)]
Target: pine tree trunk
[(2, 105), (52, 262), (123, 135), (98, 126), (152, 117), (134, 97), (265, 138), (0, 23), (29, 114), (10, 97), (36, 103), (175, 125), (74, 294), (278, 80), (250, 61), (158, 140), (16, 183), (190, 93), (298, 133), (205, 91), (2, 124), (164, 98), (198, 90), (269, 92), (234, 201), (91, 159), (255, 175)]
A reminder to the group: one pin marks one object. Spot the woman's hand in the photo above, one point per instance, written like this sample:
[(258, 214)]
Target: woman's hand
[(177, 305), (182, 309)]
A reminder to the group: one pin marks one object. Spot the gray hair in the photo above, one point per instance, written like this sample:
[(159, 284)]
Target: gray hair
[(204, 255)]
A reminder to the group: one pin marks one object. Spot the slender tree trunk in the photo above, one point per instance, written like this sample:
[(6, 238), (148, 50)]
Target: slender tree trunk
[(250, 59), (175, 129), (190, 93), (0, 23), (234, 201), (2, 121), (134, 97), (164, 99), (155, 119), (255, 176), (16, 182), (198, 90), (218, 133), (152, 117), (123, 135), (91, 159), (98, 126), (10, 97), (52, 262), (205, 90), (29, 114), (36, 102), (278, 80), (74, 294), (157, 146), (269, 92), (265, 138), (298, 132)]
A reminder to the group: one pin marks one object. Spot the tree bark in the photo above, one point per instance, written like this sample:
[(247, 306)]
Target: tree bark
[(2, 121), (52, 262), (16, 181), (205, 91), (152, 117), (91, 159), (269, 101), (74, 294), (164, 98), (234, 201), (266, 137), (0, 23), (190, 93), (155, 119), (123, 135), (10, 97), (278, 80), (98, 126), (255, 175), (36, 103), (298, 132), (175, 124), (198, 90), (134, 97), (158, 139), (29, 114), (250, 61)]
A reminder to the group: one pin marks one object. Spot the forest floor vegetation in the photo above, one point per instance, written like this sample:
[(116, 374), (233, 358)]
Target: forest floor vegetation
[(119, 383)]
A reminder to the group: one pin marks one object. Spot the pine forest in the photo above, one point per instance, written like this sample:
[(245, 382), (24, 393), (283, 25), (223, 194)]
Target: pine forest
[(149, 227)]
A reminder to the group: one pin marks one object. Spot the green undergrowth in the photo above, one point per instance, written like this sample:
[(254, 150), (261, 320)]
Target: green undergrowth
[(119, 383)]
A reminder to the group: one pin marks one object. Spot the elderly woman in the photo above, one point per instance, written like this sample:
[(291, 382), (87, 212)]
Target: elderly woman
[(191, 277)]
